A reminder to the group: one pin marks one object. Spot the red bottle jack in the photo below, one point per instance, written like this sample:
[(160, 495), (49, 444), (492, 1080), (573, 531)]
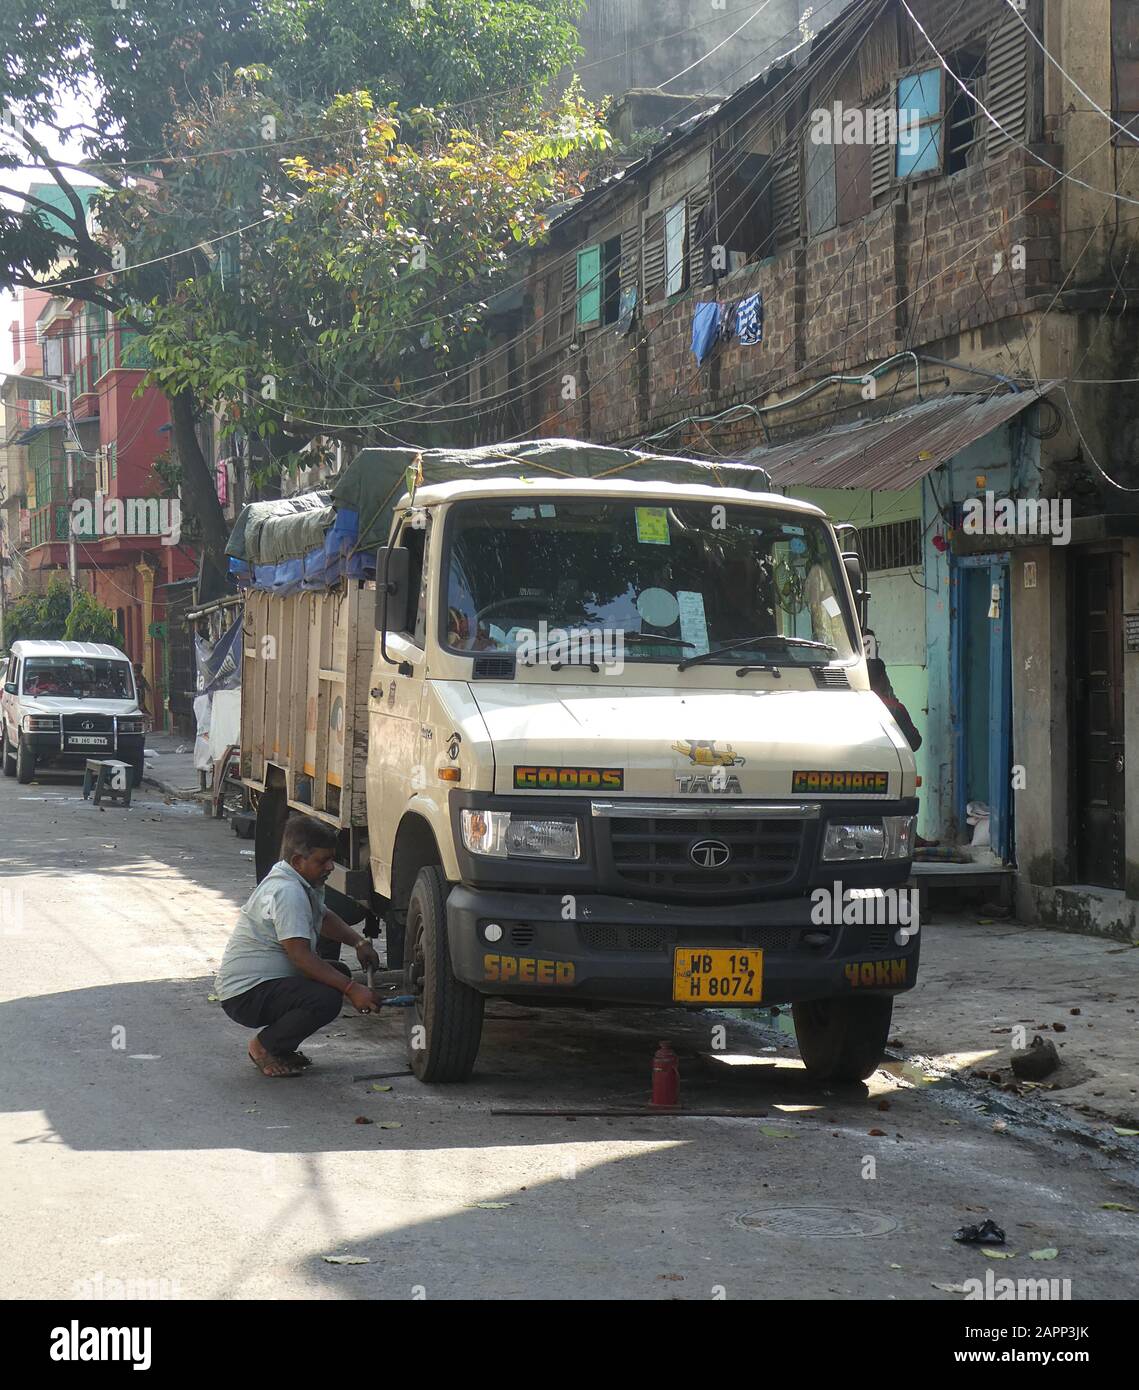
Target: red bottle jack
[(666, 1077)]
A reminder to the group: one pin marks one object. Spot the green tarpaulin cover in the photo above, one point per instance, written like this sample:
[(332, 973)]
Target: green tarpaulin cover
[(375, 480)]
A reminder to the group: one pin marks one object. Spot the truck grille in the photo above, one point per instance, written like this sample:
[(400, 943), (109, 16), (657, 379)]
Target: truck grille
[(87, 723), (610, 937), (655, 855)]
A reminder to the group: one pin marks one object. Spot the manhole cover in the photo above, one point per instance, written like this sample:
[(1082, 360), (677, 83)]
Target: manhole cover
[(816, 1221)]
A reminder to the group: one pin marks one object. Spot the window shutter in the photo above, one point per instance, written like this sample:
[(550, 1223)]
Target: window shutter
[(882, 153), (698, 199), (785, 194), (652, 258), (1006, 84), (569, 291), (820, 194), (589, 287), (630, 257)]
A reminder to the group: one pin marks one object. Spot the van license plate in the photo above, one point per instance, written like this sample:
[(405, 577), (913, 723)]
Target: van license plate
[(88, 740), (701, 976)]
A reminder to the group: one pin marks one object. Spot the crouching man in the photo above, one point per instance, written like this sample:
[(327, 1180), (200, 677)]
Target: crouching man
[(270, 975)]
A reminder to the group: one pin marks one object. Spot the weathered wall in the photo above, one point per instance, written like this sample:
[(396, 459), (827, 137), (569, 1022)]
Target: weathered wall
[(643, 43)]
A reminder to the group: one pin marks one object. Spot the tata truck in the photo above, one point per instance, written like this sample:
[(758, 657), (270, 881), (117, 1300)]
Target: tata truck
[(595, 728)]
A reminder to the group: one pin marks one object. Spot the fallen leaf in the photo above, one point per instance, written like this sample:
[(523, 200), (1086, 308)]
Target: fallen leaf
[(212, 998), (363, 1120), (380, 1088), (1127, 1133), (670, 1276), (345, 1259), (490, 1206), (771, 1133), (999, 1126), (1117, 1206), (876, 1133), (951, 1288), (1049, 1253), (391, 1124), (992, 1254), (895, 1266)]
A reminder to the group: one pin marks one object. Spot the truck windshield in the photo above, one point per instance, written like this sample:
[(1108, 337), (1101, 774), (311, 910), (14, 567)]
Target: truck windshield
[(78, 678), (672, 580)]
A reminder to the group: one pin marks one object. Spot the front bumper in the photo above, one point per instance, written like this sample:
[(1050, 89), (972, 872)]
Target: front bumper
[(620, 950), (48, 747)]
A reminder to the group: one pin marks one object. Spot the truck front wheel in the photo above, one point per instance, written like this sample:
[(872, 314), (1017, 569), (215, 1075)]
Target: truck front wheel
[(25, 761), (444, 1028), (6, 755), (843, 1039)]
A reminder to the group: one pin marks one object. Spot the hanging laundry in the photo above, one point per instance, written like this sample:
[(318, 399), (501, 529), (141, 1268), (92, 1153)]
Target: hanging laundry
[(626, 306), (705, 329), (749, 320)]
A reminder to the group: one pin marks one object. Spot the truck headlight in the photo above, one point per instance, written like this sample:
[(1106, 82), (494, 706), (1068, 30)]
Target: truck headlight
[(132, 726), (890, 838), (503, 835), (41, 724)]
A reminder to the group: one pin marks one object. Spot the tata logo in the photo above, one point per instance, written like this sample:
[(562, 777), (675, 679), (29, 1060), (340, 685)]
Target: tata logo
[(709, 854), (714, 783), (87, 724)]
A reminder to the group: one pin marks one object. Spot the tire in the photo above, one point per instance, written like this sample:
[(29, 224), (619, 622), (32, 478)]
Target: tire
[(448, 1012), (25, 763), (843, 1039), (7, 757)]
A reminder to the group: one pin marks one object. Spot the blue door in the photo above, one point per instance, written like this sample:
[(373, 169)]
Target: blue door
[(982, 694)]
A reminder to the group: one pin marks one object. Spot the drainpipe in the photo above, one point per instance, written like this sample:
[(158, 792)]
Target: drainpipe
[(146, 570)]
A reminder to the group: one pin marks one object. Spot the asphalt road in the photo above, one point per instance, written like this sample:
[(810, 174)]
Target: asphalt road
[(143, 1154)]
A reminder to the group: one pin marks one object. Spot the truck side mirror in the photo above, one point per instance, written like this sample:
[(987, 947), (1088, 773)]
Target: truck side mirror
[(854, 572), (393, 566), (9, 687)]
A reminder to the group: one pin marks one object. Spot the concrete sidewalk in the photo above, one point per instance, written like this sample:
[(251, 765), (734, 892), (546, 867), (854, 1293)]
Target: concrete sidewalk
[(978, 983), (170, 765)]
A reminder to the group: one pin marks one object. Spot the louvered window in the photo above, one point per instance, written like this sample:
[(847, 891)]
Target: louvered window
[(1006, 86), (1125, 66), (652, 258), (785, 195)]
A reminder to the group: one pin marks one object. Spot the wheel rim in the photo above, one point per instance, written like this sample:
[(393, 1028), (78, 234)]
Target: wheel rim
[(417, 966)]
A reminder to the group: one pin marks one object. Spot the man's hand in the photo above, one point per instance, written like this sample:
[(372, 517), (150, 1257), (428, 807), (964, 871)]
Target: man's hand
[(362, 999), (366, 955)]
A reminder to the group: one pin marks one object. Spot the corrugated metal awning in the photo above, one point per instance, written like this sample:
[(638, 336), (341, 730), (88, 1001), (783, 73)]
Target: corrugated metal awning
[(893, 451)]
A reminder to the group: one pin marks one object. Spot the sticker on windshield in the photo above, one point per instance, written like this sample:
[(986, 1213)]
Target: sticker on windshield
[(652, 526), (658, 607), (547, 509), (830, 606), (693, 622), (792, 530), (522, 514), (797, 545)]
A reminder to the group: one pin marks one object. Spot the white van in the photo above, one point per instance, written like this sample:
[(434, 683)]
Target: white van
[(63, 702)]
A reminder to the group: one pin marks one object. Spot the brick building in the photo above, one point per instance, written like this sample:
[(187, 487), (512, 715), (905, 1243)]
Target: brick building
[(944, 302)]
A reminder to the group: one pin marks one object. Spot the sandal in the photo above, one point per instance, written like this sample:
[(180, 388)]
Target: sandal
[(264, 1064), (298, 1059)]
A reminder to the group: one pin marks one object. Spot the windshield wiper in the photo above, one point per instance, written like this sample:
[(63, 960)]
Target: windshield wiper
[(652, 637), (767, 639)]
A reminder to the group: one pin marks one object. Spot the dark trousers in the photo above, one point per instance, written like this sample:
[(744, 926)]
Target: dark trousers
[(287, 1011)]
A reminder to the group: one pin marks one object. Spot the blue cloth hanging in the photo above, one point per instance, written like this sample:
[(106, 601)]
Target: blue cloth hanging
[(705, 329)]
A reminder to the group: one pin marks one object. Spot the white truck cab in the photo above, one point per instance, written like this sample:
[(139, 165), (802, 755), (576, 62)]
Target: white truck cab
[(616, 745), (63, 702)]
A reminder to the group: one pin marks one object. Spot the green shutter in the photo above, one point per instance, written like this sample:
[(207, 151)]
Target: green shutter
[(589, 286)]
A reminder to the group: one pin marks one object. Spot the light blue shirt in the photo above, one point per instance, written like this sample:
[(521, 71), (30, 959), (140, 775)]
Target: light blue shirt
[(282, 907)]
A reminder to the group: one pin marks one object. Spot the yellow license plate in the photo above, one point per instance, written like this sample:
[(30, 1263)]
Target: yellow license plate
[(702, 976)]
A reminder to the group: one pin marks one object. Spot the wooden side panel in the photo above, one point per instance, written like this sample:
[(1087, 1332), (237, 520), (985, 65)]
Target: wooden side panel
[(306, 670)]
